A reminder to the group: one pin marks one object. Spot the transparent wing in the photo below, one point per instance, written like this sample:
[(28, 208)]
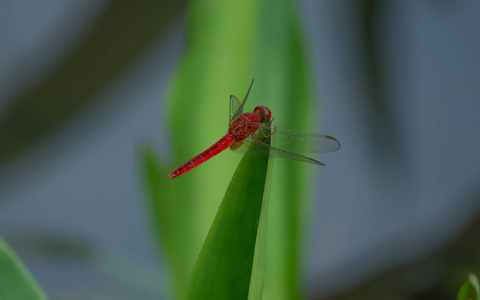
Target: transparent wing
[(302, 142), (236, 108), (256, 147)]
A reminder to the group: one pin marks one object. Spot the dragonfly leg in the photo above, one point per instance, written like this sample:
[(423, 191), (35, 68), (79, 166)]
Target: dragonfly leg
[(265, 135), (254, 135)]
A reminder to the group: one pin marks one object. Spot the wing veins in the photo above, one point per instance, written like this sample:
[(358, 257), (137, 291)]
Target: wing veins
[(262, 149)]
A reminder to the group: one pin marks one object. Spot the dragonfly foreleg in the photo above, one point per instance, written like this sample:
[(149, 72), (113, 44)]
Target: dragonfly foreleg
[(265, 136)]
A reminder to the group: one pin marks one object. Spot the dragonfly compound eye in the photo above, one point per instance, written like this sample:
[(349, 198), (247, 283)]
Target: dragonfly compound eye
[(263, 113)]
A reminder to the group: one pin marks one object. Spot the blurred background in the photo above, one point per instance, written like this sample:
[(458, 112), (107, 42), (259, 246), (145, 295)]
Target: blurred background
[(84, 84)]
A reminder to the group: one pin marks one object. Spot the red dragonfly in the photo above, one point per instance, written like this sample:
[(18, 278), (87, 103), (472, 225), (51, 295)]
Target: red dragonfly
[(241, 137)]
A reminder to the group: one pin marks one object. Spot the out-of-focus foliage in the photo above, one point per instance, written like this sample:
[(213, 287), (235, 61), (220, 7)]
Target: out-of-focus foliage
[(470, 290), (229, 43), (15, 281)]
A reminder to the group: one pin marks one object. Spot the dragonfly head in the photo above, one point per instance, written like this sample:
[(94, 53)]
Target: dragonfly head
[(263, 113)]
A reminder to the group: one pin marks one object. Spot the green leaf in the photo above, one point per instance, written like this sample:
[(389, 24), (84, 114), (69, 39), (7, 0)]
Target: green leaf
[(15, 280), (216, 63), (171, 229), (470, 290), (284, 85), (229, 43), (232, 261)]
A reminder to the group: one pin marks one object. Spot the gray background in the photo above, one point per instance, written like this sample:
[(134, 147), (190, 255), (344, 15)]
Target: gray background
[(83, 183)]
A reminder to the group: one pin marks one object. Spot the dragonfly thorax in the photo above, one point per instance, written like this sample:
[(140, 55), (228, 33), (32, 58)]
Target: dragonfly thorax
[(243, 126)]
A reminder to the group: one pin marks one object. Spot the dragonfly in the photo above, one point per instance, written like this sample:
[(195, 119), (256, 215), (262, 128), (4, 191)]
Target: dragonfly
[(242, 137)]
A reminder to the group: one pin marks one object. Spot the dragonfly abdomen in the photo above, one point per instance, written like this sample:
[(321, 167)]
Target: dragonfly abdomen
[(216, 148)]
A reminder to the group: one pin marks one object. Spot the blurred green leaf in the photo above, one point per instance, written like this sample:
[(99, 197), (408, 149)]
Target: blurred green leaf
[(229, 43), (217, 63), (15, 281), (284, 85), (165, 215), (470, 290), (383, 127), (225, 268)]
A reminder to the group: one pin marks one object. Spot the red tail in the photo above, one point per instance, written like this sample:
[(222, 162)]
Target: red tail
[(216, 148)]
